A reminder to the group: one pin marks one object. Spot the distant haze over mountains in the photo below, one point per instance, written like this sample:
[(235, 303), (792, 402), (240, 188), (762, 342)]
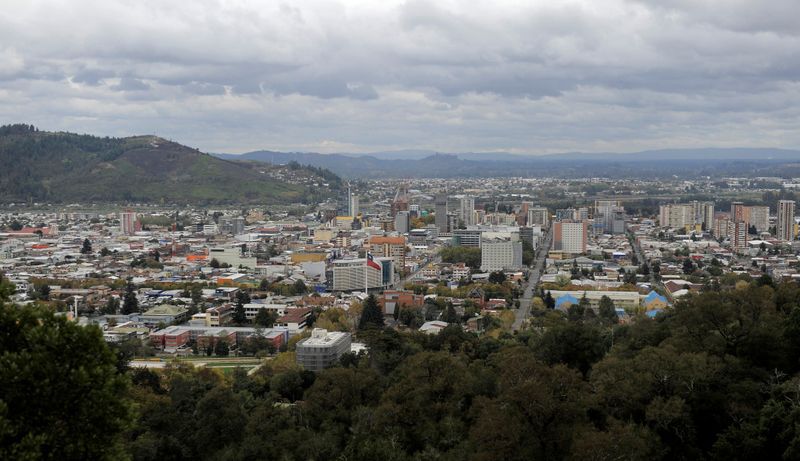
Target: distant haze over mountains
[(653, 163)]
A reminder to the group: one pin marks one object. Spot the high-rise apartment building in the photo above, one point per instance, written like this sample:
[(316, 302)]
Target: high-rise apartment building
[(786, 220), (128, 222), (605, 213), (500, 252), (758, 217), (538, 216), (737, 232), (570, 236), (565, 214), (353, 209), (467, 210), (687, 216), (737, 212), (402, 222), (440, 210)]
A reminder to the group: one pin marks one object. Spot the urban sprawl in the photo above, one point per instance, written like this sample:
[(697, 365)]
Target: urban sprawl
[(486, 255)]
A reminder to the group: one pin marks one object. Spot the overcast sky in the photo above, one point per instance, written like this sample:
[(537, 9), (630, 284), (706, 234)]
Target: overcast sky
[(358, 76)]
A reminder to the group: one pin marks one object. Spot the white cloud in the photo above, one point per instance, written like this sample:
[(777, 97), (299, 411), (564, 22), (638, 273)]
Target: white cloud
[(446, 75)]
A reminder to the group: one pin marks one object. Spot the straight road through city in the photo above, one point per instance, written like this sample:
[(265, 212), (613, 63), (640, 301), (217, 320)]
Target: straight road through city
[(536, 270)]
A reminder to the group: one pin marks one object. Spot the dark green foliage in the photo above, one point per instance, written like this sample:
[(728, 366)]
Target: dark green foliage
[(715, 377), (239, 317), (549, 302), (130, 304), (111, 306), (86, 248), (265, 318), (61, 394), (497, 277), (221, 348), (69, 167), (371, 315), (467, 255), (607, 311), (449, 315)]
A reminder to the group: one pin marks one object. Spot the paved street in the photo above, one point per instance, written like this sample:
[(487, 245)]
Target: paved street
[(401, 283), (533, 281)]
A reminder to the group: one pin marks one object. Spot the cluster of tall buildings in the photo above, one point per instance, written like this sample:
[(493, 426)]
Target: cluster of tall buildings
[(687, 216), (742, 221)]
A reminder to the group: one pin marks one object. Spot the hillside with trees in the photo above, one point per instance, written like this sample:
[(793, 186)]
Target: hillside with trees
[(715, 377), (67, 167)]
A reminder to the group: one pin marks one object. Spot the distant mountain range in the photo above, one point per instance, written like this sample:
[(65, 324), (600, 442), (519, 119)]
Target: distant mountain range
[(67, 167), (653, 163)]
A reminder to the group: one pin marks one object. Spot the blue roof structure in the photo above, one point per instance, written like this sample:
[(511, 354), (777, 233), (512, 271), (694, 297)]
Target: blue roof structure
[(653, 313), (653, 296), (566, 299)]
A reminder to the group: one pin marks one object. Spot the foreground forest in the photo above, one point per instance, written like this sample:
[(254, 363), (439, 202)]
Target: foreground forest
[(714, 378)]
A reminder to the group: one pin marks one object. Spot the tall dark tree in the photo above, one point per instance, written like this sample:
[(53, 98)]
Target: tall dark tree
[(607, 311), (130, 304), (86, 249), (549, 302), (371, 315), (450, 315), (221, 348), (239, 317), (111, 307), (299, 287), (497, 277), (265, 318)]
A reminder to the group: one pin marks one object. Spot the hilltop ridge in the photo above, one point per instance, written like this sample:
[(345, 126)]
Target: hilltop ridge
[(60, 167)]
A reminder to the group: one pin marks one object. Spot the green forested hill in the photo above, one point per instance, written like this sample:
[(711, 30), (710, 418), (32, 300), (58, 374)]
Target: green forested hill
[(67, 167)]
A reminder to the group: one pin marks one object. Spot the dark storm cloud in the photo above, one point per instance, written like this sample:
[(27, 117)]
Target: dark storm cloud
[(447, 75)]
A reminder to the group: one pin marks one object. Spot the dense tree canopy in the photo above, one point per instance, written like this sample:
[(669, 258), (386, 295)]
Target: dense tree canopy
[(61, 393), (715, 377)]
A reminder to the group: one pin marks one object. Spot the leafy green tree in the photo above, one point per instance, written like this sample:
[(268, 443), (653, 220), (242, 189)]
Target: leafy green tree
[(467, 255), (607, 311), (216, 414), (86, 249), (450, 315), (82, 410), (411, 317), (239, 317), (42, 291), (111, 306), (214, 263), (6, 288), (221, 348), (371, 314), (549, 302), (265, 318), (130, 304), (299, 287), (497, 277), (688, 266)]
